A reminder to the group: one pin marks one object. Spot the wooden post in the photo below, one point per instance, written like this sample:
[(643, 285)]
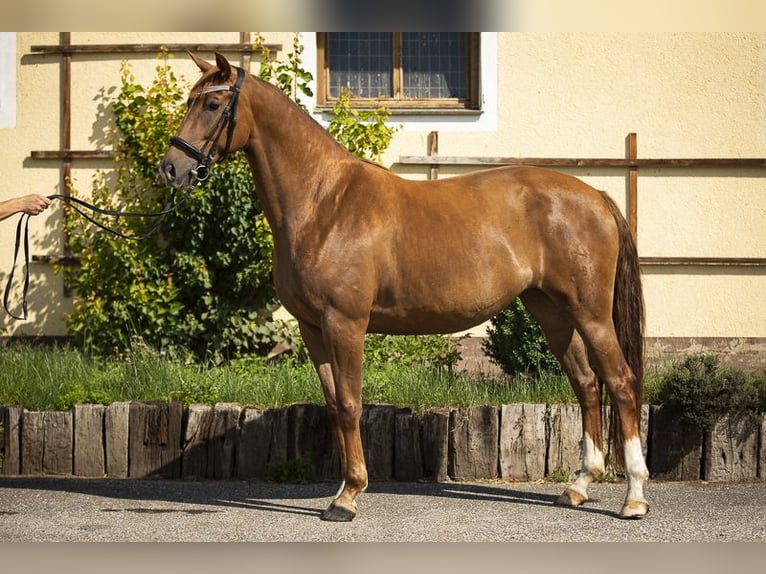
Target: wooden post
[(199, 422), (408, 458), (154, 440), (564, 435), (58, 443), (731, 449), (377, 429), (116, 428), (633, 186), (762, 452), (46, 442), (32, 441), (89, 455), (10, 443), (310, 437), (522, 441), (222, 444), (474, 440), (262, 441), (675, 447), (433, 149), (435, 442)]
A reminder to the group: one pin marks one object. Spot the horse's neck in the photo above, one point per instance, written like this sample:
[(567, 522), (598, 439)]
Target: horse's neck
[(291, 157)]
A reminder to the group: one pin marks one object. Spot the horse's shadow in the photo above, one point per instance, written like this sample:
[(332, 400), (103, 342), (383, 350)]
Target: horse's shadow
[(265, 496)]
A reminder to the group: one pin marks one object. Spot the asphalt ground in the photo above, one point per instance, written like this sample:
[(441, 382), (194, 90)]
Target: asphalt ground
[(77, 510)]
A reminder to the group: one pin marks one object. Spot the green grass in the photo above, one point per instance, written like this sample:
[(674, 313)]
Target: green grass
[(56, 378)]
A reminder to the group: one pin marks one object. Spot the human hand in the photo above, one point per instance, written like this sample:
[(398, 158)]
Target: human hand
[(34, 203)]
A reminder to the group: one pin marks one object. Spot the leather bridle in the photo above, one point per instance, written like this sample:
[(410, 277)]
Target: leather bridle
[(227, 121)]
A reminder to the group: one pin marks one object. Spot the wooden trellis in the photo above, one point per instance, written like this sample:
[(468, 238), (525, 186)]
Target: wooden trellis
[(632, 163)]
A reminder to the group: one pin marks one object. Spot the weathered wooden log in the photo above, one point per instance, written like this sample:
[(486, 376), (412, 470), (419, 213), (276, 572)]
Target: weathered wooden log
[(435, 444), (762, 449), (46, 442), (10, 443), (58, 443), (199, 422), (377, 430), (675, 447), (262, 442), (89, 455), (474, 442), (408, 458), (564, 439), (223, 441), (154, 440), (731, 449), (522, 441), (310, 438), (32, 442), (117, 431)]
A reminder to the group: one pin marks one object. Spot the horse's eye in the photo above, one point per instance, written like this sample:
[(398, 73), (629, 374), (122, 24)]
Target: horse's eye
[(212, 105)]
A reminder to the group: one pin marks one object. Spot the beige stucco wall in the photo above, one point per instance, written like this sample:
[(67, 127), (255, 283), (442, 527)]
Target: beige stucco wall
[(545, 95)]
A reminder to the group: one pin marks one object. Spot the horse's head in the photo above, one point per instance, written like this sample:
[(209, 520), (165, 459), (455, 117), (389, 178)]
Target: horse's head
[(210, 129)]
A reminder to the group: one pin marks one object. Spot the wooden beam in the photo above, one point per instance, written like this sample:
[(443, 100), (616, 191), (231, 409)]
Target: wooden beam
[(736, 162), (71, 154), (633, 186), (433, 150), (243, 47), (705, 261)]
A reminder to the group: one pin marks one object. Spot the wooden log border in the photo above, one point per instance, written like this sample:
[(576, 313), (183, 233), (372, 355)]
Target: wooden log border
[(523, 442)]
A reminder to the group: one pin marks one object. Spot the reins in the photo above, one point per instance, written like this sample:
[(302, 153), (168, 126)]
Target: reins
[(22, 235), (204, 156)]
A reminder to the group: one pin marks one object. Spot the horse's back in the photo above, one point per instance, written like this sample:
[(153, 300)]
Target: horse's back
[(449, 254)]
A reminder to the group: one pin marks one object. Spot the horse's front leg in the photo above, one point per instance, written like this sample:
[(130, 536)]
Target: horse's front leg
[(312, 337), (344, 342)]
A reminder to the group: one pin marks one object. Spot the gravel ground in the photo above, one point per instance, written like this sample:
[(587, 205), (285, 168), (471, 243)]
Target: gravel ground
[(75, 510)]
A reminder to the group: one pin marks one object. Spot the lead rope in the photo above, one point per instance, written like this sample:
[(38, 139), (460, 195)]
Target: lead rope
[(74, 202)]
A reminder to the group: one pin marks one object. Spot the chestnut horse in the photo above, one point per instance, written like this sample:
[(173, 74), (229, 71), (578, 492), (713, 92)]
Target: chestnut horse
[(359, 249)]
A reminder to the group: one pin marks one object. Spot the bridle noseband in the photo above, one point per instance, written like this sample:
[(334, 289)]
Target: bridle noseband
[(227, 120)]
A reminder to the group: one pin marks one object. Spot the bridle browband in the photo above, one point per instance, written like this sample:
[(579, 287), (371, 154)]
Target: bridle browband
[(227, 121)]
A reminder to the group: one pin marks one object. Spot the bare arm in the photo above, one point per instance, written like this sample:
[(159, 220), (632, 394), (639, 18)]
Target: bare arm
[(32, 204)]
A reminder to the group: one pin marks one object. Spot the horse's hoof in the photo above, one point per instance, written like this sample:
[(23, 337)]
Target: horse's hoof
[(337, 513), (571, 498), (634, 509)]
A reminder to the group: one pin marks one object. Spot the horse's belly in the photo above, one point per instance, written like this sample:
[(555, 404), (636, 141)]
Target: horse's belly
[(439, 312)]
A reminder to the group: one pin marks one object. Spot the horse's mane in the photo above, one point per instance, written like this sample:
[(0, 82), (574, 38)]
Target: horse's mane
[(313, 121)]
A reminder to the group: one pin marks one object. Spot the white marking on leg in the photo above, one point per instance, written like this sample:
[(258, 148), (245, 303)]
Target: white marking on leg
[(635, 468), (342, 486), (592, 466)]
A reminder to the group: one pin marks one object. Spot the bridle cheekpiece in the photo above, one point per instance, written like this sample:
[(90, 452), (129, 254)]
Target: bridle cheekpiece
[(227, 121)]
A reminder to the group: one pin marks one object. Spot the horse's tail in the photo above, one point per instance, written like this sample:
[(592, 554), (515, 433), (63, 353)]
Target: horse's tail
[(628, 319)]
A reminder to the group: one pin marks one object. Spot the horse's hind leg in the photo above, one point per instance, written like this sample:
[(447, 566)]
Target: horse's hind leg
[(567, 345), (607, 358)]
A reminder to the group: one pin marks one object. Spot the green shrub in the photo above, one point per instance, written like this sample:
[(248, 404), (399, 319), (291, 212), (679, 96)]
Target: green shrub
[(411, 350), (702, 391), (516, 343)]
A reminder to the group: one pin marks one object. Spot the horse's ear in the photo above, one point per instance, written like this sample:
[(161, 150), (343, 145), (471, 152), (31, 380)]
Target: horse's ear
[(223, 64), (201, 64)]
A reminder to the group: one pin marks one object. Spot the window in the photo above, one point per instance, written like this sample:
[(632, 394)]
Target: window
[(404, 70)]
